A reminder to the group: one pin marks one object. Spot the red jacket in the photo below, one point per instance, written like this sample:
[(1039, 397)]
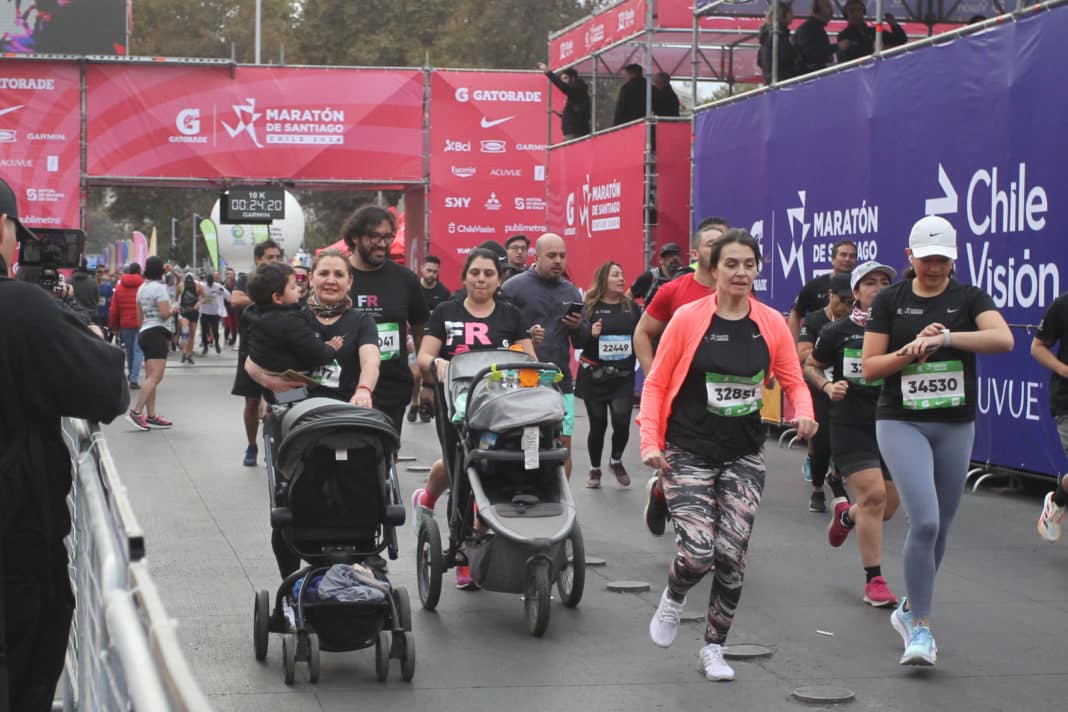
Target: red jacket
[(123, 313)]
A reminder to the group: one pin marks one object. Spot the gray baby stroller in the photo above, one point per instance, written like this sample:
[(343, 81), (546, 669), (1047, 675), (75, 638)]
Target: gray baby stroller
[(335, 501), (501, 444)]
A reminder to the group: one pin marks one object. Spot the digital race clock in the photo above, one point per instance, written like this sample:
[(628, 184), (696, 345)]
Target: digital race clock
[(252, 206)]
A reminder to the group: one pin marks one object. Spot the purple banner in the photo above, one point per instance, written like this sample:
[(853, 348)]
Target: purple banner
[(970, 130)]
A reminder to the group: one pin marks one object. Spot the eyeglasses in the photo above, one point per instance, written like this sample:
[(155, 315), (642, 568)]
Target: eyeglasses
[(379, 236), (517, 247)]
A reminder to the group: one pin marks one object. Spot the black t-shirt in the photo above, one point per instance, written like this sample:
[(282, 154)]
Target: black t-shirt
[(716, 413), (341, 377), (813, 295), (1052, 330), (435, 295), (614, 347), (839, 344), (392, 296), (461, 331), (811, 325), (644, 288), (943, 389)]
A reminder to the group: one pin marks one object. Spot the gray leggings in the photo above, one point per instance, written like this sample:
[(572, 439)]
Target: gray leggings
[(929, 463)]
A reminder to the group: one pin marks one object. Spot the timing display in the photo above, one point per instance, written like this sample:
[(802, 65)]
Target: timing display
[(253, 206)]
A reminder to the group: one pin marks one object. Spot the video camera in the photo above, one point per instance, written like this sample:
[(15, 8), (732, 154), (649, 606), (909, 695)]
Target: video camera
[(54, 249)]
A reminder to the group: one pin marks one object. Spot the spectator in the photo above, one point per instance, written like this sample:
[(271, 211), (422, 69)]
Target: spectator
[(518, 247), (575, 118), (814, 48), (859, 36), (124, 321), (787, 59), (646, 286), (631, 102), (434, 293), (665, 100), (105, 290)]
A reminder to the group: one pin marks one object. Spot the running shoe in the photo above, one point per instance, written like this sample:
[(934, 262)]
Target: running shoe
[(413, 413), (426, 413), (420, 511), (837, 530), (901, 620), (189, 359), (138, 420), (251, 452), (921, 649), (620, 472), (134, 386), (664, 625), (593, 480), (656, 510), (817, 502), (877, 594), (183, 357), (155, 421), (806, 469), (1049, 523), (464, 582), (218, 349), (204, 350), (713, 664)]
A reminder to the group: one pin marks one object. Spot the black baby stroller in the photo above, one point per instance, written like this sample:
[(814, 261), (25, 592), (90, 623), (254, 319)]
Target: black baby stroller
[(506, 467), (334, 500)]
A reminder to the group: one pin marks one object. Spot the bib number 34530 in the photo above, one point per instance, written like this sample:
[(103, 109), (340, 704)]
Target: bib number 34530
[(733, 396), (925, 386)]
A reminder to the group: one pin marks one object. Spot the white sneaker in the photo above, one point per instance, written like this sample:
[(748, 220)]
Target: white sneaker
[(1049, 522), (665, 623), (713, 664)]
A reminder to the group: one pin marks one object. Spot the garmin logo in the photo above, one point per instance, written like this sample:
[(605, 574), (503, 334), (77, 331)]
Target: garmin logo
[(530, 147)]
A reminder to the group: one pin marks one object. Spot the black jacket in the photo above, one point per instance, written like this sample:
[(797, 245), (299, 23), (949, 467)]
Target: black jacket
[(283, 337), (814, 48), (862, 40), (631, 102), (575, 118), (666, 101), (787, 55)]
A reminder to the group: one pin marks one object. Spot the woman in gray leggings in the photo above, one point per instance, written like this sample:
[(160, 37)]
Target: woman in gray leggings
[(922, 337)]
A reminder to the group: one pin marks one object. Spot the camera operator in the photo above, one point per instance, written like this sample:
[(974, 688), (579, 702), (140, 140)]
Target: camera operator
[(51, 366)]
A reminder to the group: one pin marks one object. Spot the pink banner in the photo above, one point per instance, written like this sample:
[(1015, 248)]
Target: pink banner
[(40, 140), (596, 194), (672, 185), (597, 32), (255, 122), (487, 161)]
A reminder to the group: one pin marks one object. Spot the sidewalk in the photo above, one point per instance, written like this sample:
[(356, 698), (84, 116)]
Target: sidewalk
[(1000, 606)]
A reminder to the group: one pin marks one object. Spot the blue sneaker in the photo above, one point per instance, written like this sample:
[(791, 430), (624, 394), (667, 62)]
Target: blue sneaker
[(921, 649), (251, 452), (901, 620), (806, 468)]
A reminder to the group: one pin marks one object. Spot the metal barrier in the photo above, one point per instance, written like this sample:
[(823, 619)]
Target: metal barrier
[(123, 653)]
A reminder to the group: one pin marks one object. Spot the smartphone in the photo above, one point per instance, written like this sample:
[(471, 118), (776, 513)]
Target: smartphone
[(573, 307)]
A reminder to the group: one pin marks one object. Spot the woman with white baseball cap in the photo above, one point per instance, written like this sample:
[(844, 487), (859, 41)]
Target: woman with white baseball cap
[(921, 339), (852, 424)]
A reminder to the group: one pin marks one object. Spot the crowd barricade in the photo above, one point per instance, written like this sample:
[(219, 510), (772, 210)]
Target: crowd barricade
[(123, 653)]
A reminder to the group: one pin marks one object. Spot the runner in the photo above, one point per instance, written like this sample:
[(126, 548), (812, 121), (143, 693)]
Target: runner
[(852, 427), (839, 304), (687, 288), (154, 313), (391, 295), (212, 311), (190, 297), (1053, 329), (700, 426), (434, 293), (921, 338)]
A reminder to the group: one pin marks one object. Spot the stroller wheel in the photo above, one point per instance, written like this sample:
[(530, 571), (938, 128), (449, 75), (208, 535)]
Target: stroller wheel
[(429, 564), (289, 657), (313, 658), (261, 613), (571, 580), (382, 655), (408, 659), (536, 601), (404, 608)]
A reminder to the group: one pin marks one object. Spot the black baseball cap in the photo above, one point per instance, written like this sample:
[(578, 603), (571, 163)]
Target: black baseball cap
[(669, 248), (840, 285), (9, 206)]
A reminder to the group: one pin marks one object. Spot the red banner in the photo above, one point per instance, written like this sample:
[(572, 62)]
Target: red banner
[(487, 161), (601, 30), (255, 122), (596, 198), (40, 140), (673, 184)]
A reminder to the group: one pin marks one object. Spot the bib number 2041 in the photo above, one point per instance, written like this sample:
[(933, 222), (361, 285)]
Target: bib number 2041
[(389, 340)]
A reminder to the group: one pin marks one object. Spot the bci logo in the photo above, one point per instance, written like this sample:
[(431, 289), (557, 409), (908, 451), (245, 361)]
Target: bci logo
[(457, 146)]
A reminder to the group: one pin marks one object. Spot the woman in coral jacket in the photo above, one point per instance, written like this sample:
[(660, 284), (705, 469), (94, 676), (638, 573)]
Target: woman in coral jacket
[(701, 427)]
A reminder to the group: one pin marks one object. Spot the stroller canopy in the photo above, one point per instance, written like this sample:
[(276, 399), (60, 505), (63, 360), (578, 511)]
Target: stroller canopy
[(499, 408), (346, 426)]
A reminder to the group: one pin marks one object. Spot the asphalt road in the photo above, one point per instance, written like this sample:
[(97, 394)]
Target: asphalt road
[(1000, 604)]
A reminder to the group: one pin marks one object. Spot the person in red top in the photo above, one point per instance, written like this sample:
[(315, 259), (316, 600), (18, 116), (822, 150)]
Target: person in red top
[(676, 293), (700, 426), (122, 319)]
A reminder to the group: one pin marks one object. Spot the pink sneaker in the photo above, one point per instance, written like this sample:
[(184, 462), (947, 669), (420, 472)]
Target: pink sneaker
[(138, 420), (877, 594), (156, 421), (836, 530), (464, 582)]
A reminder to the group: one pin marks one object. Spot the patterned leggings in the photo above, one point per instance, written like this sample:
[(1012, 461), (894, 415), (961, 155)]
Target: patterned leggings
[(713, 507)]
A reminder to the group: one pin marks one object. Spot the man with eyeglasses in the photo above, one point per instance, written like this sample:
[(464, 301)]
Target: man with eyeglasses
[(518, 247), (391, 294)]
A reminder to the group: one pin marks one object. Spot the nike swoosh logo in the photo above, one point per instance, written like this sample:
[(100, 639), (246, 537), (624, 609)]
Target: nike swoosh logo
[(16, 108), (952, 311), (486, 124), (757, 336)]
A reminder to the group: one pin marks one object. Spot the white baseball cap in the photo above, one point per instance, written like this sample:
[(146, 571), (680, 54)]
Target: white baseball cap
[(865, 268), (933, 235)]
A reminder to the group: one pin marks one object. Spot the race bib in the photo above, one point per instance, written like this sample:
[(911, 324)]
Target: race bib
[(389, 340), (329, 376), (733, 396), (613, 347), (926, 386), (852, 371)]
